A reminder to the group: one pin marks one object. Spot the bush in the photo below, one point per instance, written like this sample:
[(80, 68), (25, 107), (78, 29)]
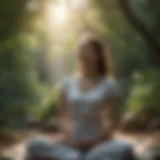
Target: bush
[(20, 88), (144, 97), (50, 109)]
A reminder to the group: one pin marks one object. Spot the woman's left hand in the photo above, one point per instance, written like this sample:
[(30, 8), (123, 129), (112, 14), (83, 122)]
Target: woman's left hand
[(90, 144), (84, 145)]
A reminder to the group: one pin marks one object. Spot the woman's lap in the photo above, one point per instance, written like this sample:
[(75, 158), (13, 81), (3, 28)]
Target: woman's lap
[(113, 149), (45, 148)]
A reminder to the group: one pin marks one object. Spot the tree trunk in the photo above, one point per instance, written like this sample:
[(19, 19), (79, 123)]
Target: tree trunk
[(141, 28)]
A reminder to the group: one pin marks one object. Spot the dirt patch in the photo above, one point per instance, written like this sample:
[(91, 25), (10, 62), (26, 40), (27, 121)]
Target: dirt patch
[(142, 142)]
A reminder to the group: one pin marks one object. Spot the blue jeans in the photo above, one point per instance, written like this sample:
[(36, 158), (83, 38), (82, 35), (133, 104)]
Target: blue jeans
[(110, 150)]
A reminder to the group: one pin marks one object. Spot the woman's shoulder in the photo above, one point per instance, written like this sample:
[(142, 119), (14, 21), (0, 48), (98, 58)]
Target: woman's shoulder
[(112, 86), (68, 80), (110, 81), (66, 83)]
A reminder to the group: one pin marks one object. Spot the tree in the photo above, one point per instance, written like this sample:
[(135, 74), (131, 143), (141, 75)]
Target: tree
[(20, 89), (141, 28), (11, 18)]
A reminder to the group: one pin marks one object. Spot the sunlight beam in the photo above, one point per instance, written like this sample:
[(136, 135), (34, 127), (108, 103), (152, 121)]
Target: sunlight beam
[(57, 14), (60, 12), (77, 4)]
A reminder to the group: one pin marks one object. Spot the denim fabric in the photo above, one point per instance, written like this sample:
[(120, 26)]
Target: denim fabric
[(110, 150)]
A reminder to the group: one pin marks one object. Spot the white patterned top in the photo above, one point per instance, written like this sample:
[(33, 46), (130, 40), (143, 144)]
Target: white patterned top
[(84, 107)]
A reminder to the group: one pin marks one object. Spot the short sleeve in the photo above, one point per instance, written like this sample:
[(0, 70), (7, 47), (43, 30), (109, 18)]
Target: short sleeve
[(64, 84), (113, 89)]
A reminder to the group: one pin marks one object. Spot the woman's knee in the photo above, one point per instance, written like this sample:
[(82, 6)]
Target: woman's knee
[(37, 146), (124, 146), (110, 149), (32, 144), (127, 151)]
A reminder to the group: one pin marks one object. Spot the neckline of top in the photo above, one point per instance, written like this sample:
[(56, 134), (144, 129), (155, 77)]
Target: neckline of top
[(96, 87)]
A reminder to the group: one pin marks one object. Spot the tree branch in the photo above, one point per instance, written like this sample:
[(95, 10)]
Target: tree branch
[(141, 28)]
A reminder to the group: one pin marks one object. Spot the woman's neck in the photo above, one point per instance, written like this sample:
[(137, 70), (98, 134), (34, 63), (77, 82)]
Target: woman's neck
[(91, 77)]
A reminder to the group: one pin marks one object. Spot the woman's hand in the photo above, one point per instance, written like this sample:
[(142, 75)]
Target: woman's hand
[(85, 145)]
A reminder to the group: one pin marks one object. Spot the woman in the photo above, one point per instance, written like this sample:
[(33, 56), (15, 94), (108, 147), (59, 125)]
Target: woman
[(88, 113)]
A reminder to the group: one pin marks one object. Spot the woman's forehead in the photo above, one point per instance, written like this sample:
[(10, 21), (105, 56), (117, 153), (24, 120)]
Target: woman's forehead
[(87, 46)]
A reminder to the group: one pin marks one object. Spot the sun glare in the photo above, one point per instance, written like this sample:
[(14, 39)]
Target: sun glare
[(77, 4), (58, 13)]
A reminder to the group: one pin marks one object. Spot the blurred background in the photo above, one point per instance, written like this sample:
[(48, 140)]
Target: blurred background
[(38, 40)]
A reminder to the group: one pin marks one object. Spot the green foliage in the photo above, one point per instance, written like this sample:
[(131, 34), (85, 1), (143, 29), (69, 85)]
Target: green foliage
[(49, 108), (144, 97), (24, 36), (11, 18), (127, 47), (19, 86)]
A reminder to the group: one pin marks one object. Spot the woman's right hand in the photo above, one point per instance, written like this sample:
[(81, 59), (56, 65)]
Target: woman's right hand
[(80, 145)]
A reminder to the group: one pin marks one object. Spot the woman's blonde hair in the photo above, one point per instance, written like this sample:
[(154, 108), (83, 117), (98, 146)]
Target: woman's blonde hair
[(104, 60)]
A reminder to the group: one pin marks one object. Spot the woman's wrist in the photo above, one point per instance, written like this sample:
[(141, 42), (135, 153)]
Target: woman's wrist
[(106, 135)]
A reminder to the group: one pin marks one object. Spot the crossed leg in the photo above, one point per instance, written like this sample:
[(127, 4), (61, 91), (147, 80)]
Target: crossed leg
[(111, 150), (45, 149)]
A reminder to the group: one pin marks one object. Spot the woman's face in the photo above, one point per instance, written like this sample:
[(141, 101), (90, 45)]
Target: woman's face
[(87, 58)]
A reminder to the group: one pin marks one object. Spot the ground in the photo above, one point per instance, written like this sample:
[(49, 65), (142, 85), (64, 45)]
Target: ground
[(142, 143)]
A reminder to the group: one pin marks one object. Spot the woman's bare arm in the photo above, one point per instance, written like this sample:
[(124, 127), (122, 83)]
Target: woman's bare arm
[(109, 116), (63, 115)]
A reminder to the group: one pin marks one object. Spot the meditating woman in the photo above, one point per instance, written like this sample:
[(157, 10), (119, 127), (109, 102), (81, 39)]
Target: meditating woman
[(88, 113)]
